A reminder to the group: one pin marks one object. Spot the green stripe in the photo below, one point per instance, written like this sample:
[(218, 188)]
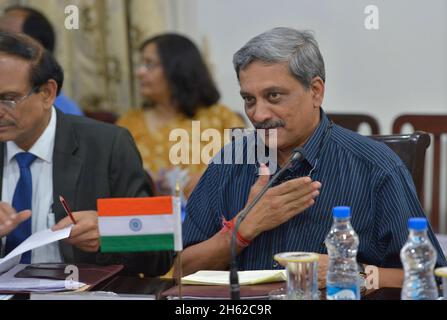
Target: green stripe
[(151, 242)]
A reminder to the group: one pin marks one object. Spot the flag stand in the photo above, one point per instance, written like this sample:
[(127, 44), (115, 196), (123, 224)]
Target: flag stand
[(179, 274), (179, 259)]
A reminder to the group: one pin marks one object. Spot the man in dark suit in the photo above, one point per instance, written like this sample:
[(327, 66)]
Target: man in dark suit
[(45, 153)]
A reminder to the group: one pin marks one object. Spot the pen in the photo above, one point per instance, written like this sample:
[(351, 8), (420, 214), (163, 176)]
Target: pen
[(67, 209)]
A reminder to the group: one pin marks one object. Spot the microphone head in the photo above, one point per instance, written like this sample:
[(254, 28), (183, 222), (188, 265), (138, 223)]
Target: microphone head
[(298, 154)]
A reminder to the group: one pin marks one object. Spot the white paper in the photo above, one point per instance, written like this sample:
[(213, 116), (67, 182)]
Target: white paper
[(9, 283), (34, 241), (89, 295), (211, 277)]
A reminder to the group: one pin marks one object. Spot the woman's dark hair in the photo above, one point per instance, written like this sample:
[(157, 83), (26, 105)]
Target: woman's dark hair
[(188, 77), (43, 64)]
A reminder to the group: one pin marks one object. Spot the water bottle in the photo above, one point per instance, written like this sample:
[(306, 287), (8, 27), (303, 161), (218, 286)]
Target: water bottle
[(418, 259), (343, 279)]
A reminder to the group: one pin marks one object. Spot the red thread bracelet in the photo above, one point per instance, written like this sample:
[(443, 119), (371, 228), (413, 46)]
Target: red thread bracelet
[(228, 226)]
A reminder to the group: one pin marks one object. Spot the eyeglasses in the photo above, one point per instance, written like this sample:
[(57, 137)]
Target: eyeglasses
[(149, 65), (11, 104)]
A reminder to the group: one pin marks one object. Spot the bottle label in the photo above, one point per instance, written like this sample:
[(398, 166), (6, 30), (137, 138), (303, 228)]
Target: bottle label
[(334, 292)]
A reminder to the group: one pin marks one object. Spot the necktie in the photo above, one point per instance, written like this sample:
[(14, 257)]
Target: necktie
[(22, 201)]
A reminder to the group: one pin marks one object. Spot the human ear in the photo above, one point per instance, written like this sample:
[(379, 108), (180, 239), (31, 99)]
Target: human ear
[(49, 92), (317, 87)]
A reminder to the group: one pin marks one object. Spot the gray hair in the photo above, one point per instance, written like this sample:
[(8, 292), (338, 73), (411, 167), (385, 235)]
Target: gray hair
[(298, 48)]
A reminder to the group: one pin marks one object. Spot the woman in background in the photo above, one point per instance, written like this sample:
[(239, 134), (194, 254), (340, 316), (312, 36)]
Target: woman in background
[(178, 89)]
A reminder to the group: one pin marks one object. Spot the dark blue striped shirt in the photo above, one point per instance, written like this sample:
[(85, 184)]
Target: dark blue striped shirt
[(354, 171)]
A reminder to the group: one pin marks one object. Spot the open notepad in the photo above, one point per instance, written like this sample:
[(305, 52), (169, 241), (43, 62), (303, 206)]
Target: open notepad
[(215, 285), (211, 277), (9, 265), (34, 241), (9, 283)]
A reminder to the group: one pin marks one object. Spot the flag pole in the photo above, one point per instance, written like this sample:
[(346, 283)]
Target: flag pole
[(179, 253)]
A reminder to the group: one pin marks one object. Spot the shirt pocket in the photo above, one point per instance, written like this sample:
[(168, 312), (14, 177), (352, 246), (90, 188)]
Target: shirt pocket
[(51, 220)]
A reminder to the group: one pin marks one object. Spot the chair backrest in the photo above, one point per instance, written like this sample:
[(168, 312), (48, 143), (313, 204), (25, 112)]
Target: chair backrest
[(353, 121), (411, 148), (104, 116), (435, 125)]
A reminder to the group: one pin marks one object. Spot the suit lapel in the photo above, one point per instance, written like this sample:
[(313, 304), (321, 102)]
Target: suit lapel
[(2, 154), (66, 166)]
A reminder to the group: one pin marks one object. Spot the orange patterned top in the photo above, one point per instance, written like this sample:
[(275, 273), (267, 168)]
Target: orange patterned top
[(158, 152)]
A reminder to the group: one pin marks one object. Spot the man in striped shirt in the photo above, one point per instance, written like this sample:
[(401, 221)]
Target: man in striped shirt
[(282, 79)]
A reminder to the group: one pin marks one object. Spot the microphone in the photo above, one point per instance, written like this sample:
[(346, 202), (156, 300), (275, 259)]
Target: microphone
[(298, 155)]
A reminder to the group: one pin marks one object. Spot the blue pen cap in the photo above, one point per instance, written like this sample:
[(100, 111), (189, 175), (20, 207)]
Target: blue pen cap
[(341, 212), (418, 224)]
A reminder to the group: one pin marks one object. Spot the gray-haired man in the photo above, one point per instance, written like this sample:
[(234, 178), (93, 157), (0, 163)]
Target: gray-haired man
[(282, 78)]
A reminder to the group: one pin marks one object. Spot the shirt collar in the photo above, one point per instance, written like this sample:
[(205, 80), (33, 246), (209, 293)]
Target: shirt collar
[(313, 145), (42, 148)]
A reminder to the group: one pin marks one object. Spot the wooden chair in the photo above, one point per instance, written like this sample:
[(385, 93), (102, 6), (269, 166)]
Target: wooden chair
[(435, 125), (353, 121), (104, 116), (411, 149)]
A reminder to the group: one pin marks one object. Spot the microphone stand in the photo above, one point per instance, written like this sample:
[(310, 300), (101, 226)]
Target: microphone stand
[(297, 155)]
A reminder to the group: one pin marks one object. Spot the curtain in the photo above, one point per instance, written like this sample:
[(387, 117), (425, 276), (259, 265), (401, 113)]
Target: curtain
[(100, 58)]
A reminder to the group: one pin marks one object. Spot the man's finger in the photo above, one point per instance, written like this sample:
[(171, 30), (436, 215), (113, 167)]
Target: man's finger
[(23, 215), (264, 176), (292, 209), (298, 197), (7, 210), (88, 243), (296, 184), (17, 218), (65, 222), (84, 239), (80, 231), (83, 229)]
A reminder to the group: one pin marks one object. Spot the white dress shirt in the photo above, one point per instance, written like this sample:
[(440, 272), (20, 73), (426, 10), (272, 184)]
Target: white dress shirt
[(42, 177)]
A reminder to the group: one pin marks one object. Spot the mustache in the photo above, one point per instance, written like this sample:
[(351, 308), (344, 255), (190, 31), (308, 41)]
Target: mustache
[(269, 124), (4, 123)]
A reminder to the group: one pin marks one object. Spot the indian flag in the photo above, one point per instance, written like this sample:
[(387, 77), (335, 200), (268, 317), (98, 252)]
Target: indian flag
[(140, 224)]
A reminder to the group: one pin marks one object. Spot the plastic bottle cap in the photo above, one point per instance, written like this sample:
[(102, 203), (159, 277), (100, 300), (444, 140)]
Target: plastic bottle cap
[(418, 224), (341, 212)]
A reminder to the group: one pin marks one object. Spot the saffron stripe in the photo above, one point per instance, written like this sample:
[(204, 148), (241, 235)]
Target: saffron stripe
[(134, 206)]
